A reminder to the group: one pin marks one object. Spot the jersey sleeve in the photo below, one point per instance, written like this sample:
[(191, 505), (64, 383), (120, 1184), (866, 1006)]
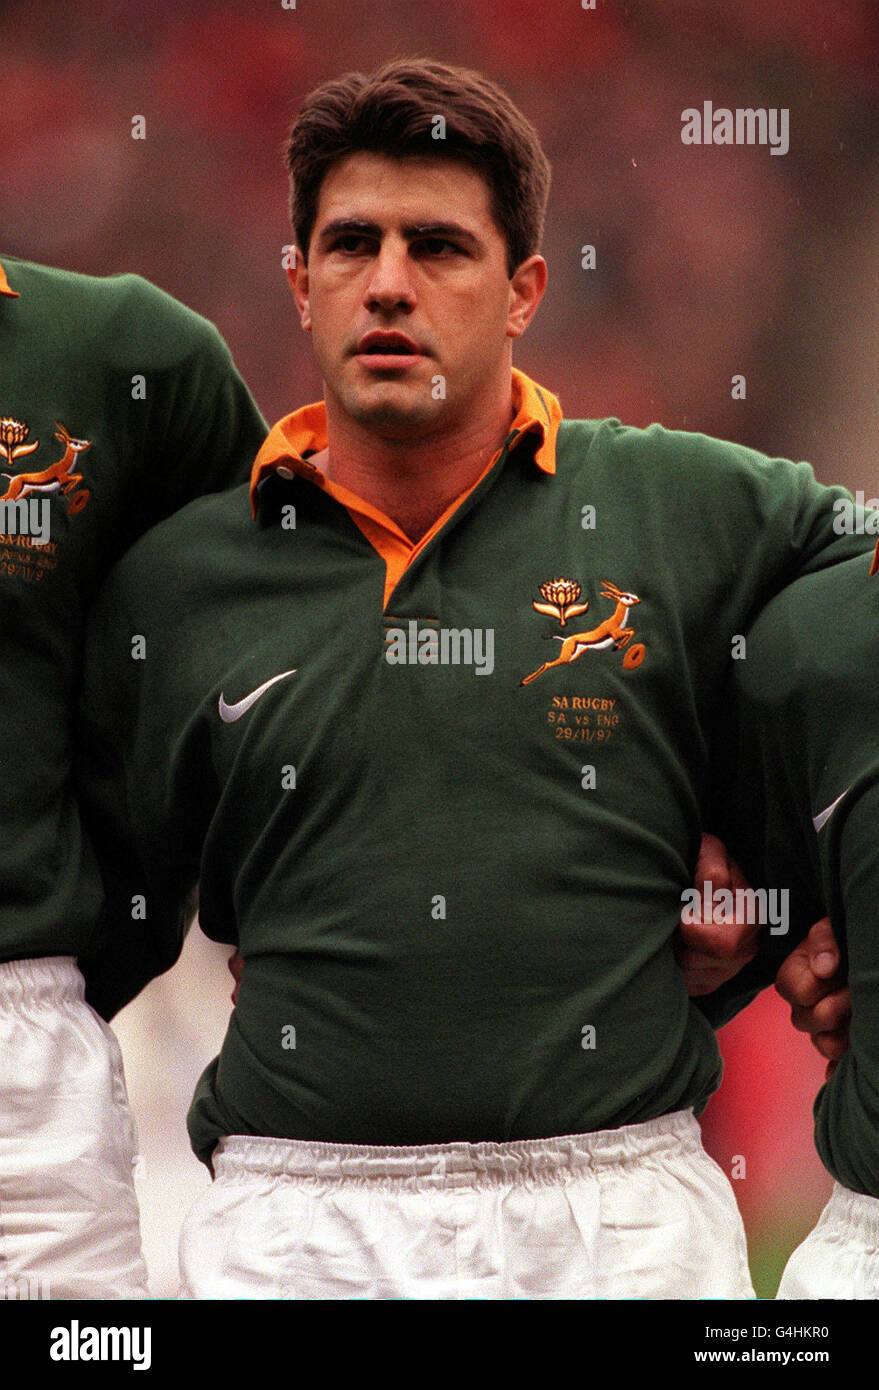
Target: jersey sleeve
[(790, 524), (143, 827), (758, 801), (754, 522), (847, 1107), (201, 426), (826, 526), (219, 428)]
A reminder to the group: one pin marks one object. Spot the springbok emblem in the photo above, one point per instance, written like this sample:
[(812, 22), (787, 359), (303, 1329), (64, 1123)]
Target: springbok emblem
[(59, 477), (613, 632)]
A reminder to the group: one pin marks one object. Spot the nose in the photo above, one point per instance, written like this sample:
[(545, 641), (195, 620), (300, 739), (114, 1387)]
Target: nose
[(389, 285)]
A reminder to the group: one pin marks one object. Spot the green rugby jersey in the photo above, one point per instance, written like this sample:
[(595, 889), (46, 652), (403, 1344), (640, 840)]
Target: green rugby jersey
[(804, 815), (117, 405), (444, 798)]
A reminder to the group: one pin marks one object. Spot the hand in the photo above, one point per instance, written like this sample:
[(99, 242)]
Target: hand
[(710, 953), (810, 980), (236, 966)]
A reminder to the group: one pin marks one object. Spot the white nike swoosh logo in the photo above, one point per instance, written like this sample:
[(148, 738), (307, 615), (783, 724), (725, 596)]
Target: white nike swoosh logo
[(824, 816), (229, 713)]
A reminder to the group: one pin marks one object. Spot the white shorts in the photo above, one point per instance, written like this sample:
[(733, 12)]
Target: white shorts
[(840, 1257), (69, 1221), (638, 1212)]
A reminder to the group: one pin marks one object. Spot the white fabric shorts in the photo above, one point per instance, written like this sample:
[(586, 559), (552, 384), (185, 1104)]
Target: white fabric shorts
[(840, 1257), (637, 1212), (69, 1220)]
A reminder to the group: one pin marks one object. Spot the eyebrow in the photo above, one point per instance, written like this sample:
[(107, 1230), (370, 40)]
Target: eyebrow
[(411, 230)]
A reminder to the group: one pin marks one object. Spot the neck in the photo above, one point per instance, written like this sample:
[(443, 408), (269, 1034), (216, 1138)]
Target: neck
[(413, 481)]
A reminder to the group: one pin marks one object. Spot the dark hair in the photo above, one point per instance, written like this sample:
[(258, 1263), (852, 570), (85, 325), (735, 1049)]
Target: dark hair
[(394, 112)]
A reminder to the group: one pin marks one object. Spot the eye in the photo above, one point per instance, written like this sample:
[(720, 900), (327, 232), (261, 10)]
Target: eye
[(436, 246), (351, 243)]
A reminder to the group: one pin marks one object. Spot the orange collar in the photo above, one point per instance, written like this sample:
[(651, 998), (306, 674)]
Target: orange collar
[(4, 286), (875, 565), (305, 431)]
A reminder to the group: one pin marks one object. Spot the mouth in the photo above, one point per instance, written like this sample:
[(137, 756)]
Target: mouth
[(385, 349)]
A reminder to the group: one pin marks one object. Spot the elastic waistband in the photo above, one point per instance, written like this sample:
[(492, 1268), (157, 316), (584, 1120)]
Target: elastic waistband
[(856, 1209), (46, 979), (458, 1164)]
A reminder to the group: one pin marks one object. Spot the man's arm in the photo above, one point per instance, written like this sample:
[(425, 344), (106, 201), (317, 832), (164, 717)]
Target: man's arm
[(236, 969), (194, 428), (213, 428), (847, 1109), (724, 973), (711, 954), (777, 747), (813, 982), (144, 829)]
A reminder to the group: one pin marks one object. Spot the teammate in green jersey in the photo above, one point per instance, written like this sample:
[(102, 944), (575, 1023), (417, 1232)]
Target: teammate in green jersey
[(117, 405), (424, 713), (803, 815)]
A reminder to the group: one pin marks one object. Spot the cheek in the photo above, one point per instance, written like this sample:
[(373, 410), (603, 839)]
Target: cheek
[(322, 347), (479, 323), (492, 306), (331, 299), (329, 321)]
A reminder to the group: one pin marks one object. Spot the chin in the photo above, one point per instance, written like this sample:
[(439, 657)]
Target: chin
[(395, 418)]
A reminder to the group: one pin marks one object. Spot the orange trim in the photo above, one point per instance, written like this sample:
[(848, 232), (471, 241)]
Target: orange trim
[(437, 526), (305, 431), (4, 286), (537, 410), (397, 555), (875, 565)]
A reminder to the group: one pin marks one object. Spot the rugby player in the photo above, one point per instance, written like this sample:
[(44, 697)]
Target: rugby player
[(423, 711), (117, 405), (802, 813)]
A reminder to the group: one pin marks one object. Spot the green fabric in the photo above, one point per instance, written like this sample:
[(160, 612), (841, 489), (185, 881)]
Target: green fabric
[(415, 783), (70, 347), (807, 732)]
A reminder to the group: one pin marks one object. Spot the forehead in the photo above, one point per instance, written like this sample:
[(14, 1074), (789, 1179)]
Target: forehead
[(388, 192)]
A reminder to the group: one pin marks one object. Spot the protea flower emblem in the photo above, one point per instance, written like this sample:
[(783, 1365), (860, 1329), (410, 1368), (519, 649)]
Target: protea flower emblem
[(13, 433), (560, 599)]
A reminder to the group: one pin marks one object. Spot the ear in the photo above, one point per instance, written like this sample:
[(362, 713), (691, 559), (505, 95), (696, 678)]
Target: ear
[(297, 274), (527, 285)]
